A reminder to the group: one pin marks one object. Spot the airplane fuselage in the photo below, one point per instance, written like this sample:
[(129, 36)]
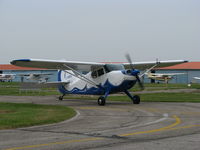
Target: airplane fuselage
[(112, 81), (159, 77)]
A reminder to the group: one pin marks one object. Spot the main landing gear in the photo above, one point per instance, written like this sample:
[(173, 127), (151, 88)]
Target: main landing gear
[(61, 97), (135, 98), (102, 99)]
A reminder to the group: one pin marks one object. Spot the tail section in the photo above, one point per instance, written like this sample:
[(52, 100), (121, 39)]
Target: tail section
[(63, 76)]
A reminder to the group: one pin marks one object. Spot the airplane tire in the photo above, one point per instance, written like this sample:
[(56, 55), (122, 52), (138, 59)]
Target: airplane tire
[(101, 101), (136, 99), (60, 98)]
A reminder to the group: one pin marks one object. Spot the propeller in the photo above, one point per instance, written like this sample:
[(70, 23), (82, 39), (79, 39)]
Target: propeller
[(128, 57)]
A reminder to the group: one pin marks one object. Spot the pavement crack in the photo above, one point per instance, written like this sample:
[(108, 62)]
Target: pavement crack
[(78, 133)]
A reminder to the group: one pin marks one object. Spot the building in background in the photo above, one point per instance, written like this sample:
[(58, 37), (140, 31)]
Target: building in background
[(11, 69), (191, 70)]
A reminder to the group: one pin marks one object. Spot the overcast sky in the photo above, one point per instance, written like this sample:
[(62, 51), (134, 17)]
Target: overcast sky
[(99, 30)]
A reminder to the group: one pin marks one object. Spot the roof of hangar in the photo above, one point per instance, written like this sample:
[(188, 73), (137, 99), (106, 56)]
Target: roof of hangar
[(183, 66), (12, 67)]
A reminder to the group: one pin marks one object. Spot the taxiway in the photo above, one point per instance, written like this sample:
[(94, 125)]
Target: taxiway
[(118, 125)]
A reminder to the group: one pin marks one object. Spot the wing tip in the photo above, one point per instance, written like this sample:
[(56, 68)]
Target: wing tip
[(14, 62)]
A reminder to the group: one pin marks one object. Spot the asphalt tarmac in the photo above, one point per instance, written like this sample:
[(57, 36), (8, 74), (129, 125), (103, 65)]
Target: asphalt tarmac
[(118, 125)]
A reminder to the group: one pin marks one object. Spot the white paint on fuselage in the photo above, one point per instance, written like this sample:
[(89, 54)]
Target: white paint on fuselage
[(114, 77)]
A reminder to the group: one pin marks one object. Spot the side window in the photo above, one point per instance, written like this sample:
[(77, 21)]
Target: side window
[(94, 74), (97, 73), (100, 72)]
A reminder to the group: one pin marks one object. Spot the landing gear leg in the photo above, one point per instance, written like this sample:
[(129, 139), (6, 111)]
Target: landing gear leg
[(102, 99), (135, 98), (61, 97)]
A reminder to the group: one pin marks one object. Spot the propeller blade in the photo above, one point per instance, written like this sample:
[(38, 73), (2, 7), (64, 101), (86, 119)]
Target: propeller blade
[(139, 82), (128, 57)]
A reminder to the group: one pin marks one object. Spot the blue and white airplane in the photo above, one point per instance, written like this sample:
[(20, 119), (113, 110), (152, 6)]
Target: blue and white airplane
[(101, 78)]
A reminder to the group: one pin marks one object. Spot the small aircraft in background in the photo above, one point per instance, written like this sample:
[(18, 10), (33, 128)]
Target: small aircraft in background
[(39, 77), (102, 78), (197, 78), (7, 77), (162, 76)]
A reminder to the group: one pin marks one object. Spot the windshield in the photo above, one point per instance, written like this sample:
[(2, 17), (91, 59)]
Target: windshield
[(112, 67)]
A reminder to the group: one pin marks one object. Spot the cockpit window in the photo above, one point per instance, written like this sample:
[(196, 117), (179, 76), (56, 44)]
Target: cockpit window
[(113, 67), (100, 72), (97, 73), (94, 74)]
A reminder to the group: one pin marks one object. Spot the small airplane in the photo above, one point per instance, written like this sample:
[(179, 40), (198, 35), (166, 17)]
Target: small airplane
[(162, 76), (39, 77), (197, 78), (7, 77), (102, 78)]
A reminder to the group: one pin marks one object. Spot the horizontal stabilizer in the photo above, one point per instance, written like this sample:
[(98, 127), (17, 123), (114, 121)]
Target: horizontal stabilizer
[(53, 84), (34, 74)]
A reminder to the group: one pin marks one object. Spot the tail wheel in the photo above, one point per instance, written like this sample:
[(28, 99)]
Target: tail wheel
[(136, 99), (60, 98), (101, 101)]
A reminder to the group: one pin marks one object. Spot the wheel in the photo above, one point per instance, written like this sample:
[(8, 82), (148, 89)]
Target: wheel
[(60, 98), (101, 101), (136, 99)]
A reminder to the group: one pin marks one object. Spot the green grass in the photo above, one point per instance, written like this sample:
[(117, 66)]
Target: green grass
[(162, 97), (163, 86), (15, 115), (13, 88), (149, 97)]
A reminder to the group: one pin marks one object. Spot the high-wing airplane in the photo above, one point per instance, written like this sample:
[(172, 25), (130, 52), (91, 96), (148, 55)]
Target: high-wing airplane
[(102, 78), (162, 76), (39, 77), (7, 77)]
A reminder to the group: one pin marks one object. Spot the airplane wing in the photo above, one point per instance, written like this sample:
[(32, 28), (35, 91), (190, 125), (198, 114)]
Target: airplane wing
[(169, 74), (56, 64), (149, 64), (198, 78), (83, 66)]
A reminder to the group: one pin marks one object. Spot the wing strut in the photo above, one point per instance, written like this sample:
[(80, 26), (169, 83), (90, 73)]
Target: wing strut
[(149, 69), (79, 75)]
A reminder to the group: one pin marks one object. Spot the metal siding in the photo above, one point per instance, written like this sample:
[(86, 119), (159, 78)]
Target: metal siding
[(178, 78), (185, 78), (53, 77), (194, 74)]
